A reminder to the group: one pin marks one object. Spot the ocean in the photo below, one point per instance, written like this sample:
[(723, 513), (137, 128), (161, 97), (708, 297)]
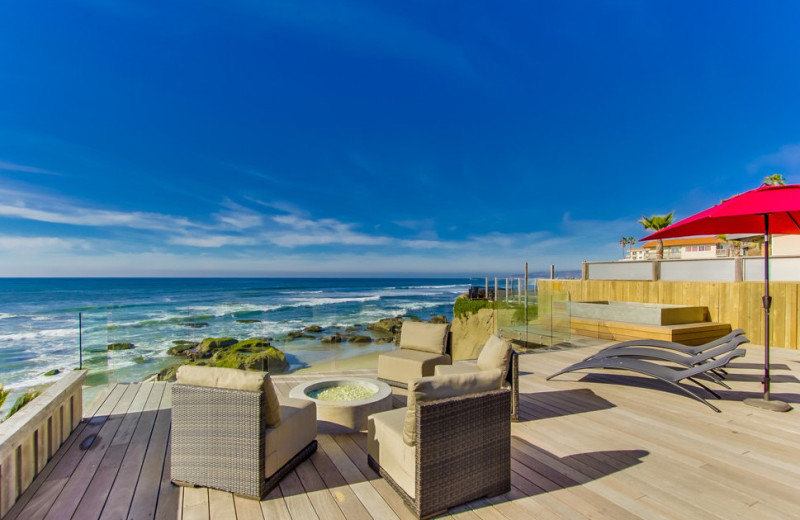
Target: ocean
[(39, 324)]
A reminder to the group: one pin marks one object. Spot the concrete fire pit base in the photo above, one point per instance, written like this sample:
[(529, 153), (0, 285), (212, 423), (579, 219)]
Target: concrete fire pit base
[(345, 416)]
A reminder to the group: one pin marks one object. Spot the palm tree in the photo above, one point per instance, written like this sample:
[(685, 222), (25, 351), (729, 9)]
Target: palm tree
[(625, 242), (776, 179), (657, 223)]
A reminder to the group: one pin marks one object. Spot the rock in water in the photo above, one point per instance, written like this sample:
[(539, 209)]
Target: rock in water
[(387, 325), (313, 329), (360, 338), (196, 324), (53, 372), (248, 321), (209, 345), (181, 347), (120, 346)]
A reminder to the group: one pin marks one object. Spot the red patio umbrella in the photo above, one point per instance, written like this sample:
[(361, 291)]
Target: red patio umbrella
[(767, 210)]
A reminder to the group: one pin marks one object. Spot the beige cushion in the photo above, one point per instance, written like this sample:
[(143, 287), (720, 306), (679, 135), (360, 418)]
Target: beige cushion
[(298, 427), (459, 367), (385, 445), (442, 387), (404, 365), (234, 379), (425, 337), (496, 353)]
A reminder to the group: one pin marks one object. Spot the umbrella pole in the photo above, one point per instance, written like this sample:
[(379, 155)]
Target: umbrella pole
[(767, 302), (766, 402)]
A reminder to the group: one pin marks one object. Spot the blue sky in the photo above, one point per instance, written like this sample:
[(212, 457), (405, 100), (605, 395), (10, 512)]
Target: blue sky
[(248, 138)]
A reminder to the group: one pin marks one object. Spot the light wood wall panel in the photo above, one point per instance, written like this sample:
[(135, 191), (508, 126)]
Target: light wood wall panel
[(737, 303)]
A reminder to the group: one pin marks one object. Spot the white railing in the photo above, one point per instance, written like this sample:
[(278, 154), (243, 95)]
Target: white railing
[(731, 269), (30, 438)]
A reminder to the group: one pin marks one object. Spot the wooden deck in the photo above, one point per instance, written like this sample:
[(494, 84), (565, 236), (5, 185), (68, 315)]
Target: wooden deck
[(587, 447)]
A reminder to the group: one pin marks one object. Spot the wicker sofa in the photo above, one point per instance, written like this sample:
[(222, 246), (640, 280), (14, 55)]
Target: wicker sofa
[(496, 353), (423, 346), (450, 445), (231, 432)]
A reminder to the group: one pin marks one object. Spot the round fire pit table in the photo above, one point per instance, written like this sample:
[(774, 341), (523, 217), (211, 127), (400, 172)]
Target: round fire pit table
[(344, 403)]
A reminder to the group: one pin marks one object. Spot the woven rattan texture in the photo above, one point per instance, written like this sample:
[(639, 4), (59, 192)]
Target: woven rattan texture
[(217, 439), (463, 452)]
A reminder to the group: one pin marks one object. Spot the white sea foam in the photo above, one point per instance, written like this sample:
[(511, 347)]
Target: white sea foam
[(40, 334), (313, 302), (5, 315), (460, 287)]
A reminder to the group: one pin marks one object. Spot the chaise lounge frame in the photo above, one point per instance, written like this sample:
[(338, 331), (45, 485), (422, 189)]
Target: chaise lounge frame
[(664, 373)]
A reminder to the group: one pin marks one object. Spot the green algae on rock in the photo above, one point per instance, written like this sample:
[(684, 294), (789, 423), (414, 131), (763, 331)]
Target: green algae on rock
[(121, 346)]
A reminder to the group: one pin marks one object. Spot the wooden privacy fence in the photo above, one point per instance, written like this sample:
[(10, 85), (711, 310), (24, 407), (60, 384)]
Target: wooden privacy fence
[(737, 303), (30, 438)]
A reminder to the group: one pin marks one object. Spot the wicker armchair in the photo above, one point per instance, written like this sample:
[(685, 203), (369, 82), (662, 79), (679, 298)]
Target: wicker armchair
[(230, 432), (460, 447), (423, 346), (495, 353)]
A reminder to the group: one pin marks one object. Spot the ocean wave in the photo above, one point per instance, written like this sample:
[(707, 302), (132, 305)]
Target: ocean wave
[(313, 302), (40, 334), (44, 318), (302, 292), (5, 316), (458, 286)]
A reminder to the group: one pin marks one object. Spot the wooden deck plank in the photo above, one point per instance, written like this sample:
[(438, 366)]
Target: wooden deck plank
[(195, 505), (318, 493), (97, 493), (119, 498), (297, 501), (168, 504), (273, 507), (247, 509), (79, 462), (220, 505), (360, 485), (348, 502), (148, 487), (358, 456), (597, 446)]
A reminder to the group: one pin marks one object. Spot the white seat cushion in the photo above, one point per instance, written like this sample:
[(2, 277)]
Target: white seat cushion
[(298, 427), (459, 367), (385, 445), (425, 337), (496, 353), (404, 365)]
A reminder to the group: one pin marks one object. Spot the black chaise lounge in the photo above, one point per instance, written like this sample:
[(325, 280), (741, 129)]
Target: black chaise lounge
[(676, 357), (670, 375), (669, 345)]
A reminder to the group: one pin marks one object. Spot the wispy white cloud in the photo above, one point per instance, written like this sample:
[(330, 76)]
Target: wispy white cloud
[(27, 243), (23, 168), (237, 216), (298, 231), (94, 217)]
